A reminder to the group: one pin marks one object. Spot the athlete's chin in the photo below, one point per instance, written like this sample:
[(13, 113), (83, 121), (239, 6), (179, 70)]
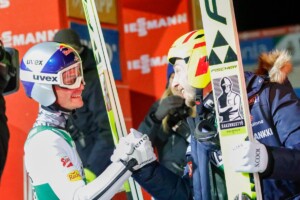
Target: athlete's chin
[(185, 96), (190, 103), (77, 103), (80, 105)]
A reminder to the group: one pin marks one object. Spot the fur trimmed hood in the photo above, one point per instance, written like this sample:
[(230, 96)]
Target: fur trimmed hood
[(276, 64)]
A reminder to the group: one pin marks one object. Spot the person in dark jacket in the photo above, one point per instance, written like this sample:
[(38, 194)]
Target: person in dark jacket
[(166, 126), (9, 79), (274, 109), (89, 125), (4, 131)]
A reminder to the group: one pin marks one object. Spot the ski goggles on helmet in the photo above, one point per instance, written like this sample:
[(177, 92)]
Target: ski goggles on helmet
[(70, 77)]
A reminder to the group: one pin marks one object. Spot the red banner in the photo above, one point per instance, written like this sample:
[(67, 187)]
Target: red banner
[(148, 37), (149, 32)]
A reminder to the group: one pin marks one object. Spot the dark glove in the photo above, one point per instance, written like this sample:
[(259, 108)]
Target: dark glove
[(181, 113), (167, 105)]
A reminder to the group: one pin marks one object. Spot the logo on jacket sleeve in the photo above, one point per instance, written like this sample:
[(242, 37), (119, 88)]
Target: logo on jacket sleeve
[(66, 162), (74, 176)]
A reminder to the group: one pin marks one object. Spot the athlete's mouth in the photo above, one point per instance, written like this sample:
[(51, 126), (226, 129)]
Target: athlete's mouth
[(76, 96)]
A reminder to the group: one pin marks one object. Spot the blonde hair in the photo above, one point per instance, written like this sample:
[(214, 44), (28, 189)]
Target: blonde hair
[(277, 64)]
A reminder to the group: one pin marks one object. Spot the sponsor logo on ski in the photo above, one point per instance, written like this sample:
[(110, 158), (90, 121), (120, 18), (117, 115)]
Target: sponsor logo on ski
[(9, 39), (74, 176), (224, 68), (233, 124), (4, 3), (213, 14), (263, 134), (145, 63), (219, 40), (142, 25), (257, 157)]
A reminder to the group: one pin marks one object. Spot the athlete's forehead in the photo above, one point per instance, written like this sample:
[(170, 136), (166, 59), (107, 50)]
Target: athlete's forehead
[(179, 65)]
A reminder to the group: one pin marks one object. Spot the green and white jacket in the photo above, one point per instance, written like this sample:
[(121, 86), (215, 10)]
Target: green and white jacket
[(51, 159)]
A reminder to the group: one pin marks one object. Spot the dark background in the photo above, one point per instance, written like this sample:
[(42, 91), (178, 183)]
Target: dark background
[(259, 14)]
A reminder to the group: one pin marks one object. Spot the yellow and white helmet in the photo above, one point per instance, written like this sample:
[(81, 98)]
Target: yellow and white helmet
[(191, 47)]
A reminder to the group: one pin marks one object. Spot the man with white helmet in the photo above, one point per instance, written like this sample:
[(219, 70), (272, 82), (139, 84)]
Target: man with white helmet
[(51, 74), (274, 108)]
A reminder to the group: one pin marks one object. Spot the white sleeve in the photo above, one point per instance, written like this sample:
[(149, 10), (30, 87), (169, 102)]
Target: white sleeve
[(106, 185), (52, 162)]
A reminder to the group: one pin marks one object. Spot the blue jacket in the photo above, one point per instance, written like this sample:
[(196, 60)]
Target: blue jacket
[(275, 109), (275, 122)]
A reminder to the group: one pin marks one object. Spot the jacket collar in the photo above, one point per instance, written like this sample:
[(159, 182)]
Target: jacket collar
[(254, 83)]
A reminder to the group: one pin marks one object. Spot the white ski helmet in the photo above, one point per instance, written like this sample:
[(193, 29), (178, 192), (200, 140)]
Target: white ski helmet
[(47, 64)]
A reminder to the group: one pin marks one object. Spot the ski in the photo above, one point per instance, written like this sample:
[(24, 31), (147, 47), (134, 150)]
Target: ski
[(226, 68), (109, 90)]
